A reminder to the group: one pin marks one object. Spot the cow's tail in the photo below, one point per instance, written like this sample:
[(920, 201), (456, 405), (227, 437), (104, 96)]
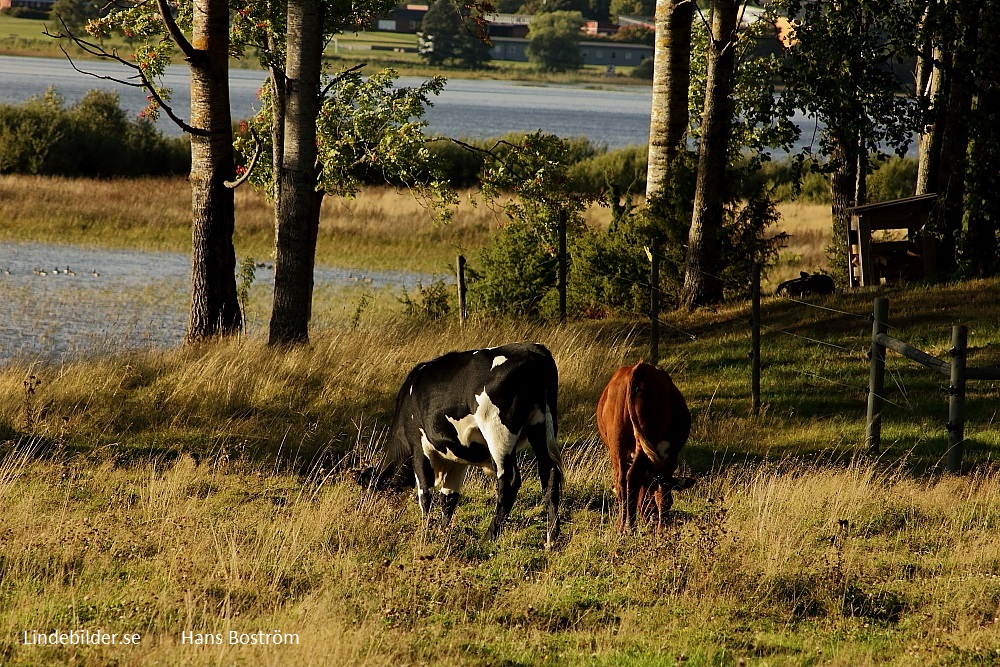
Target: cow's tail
[(631, 393)]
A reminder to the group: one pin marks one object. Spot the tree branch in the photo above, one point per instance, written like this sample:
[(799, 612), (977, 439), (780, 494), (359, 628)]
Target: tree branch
[(258, 149), (340, 77), (144, 82), (190, 53)]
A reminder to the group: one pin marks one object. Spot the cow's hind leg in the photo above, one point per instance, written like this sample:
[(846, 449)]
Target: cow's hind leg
[(450, 488), (636, 481), (424, 473), (508, 484), (543, 444)]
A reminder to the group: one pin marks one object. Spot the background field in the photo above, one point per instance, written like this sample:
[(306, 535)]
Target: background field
[(24, 37), (381, 229)]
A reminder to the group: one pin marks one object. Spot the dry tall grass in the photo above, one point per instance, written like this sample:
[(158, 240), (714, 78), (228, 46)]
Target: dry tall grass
[(206, 489), (384, 228), (810, 229), (763, 565)]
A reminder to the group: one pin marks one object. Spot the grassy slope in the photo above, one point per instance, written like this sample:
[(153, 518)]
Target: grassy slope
[(24, 37), (790, 550)]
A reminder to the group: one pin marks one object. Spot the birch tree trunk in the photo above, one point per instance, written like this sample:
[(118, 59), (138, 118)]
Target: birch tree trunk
[(668, 118), (297, 203), (215, 308), (701, 284)]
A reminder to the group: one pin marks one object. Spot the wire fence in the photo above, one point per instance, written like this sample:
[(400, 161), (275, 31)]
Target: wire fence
[(856, 388)]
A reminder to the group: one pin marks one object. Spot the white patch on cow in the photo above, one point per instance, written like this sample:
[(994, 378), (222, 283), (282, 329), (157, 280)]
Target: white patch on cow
[(436, 457), (663, 449), (499, 439), (467, 430), (499, 359), (453, 479), (411, 389)]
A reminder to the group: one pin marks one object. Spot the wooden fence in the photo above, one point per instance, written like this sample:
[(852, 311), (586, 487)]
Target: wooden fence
[(956, 370)]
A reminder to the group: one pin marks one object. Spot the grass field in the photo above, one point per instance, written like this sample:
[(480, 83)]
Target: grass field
[(188, 493), (381, 229), (25, 37)]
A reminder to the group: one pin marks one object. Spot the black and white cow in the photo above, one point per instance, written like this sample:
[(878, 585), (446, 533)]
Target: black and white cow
[(480, 407)]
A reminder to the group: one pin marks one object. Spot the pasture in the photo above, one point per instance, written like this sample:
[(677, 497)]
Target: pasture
[(188, 493)]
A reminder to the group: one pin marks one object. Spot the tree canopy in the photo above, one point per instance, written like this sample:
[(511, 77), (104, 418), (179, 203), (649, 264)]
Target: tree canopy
[(447, 37), (554, 39)]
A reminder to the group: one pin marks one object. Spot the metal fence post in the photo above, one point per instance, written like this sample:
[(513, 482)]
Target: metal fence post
[(463, 312), (755, 338), (654, 302), (956, 399), (876, 379)]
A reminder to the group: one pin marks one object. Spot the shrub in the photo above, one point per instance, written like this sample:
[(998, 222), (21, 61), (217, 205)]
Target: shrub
[(622, 171), (26, 13), (93, 137), (644, 70), (894, 178)]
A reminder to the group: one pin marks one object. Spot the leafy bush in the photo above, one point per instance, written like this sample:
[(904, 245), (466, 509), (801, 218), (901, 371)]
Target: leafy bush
[(894, 178), (644, 70), (612, 269), (25, 13), (622, 171), (432, 302), (93, 137)]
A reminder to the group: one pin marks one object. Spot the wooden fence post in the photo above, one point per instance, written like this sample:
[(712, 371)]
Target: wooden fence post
[(876, 379), (654, 302), (755, 338), (561, 286), (463, 312), (956, 399)]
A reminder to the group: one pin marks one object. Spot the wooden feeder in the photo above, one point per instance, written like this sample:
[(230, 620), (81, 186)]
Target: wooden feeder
[(895, 257)]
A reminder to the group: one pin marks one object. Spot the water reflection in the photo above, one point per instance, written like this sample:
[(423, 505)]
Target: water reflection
[(64, 300)]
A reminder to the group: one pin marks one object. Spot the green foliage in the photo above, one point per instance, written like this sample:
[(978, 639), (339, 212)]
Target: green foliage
[(75, 13), (246, 274), (644, 70), (805, 180), (367, 131), (431, 302), (617, 173), (92, 137), (893, 178), (517, 273), (633, 7), (836, 71), (634, 34), (554, 39), (445, 37), (612, 269), (25, 13)]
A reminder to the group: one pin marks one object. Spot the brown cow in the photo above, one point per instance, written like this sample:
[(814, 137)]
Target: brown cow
[(644, 421)]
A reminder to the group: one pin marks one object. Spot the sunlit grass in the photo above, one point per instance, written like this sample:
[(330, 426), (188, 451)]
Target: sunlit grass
[(209, 488), (383, 228)]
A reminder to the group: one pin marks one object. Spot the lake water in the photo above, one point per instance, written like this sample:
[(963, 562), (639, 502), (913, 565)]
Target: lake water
[(65, 300), (617, 116)]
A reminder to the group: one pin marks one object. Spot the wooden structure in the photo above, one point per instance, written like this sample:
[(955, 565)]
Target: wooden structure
[(872, 261), (956, 370)]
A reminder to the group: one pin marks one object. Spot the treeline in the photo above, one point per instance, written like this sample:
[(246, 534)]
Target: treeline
[(96, 138), (93, 137)]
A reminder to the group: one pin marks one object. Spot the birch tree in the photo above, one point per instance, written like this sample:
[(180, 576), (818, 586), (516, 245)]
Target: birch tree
[(161, 35)]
